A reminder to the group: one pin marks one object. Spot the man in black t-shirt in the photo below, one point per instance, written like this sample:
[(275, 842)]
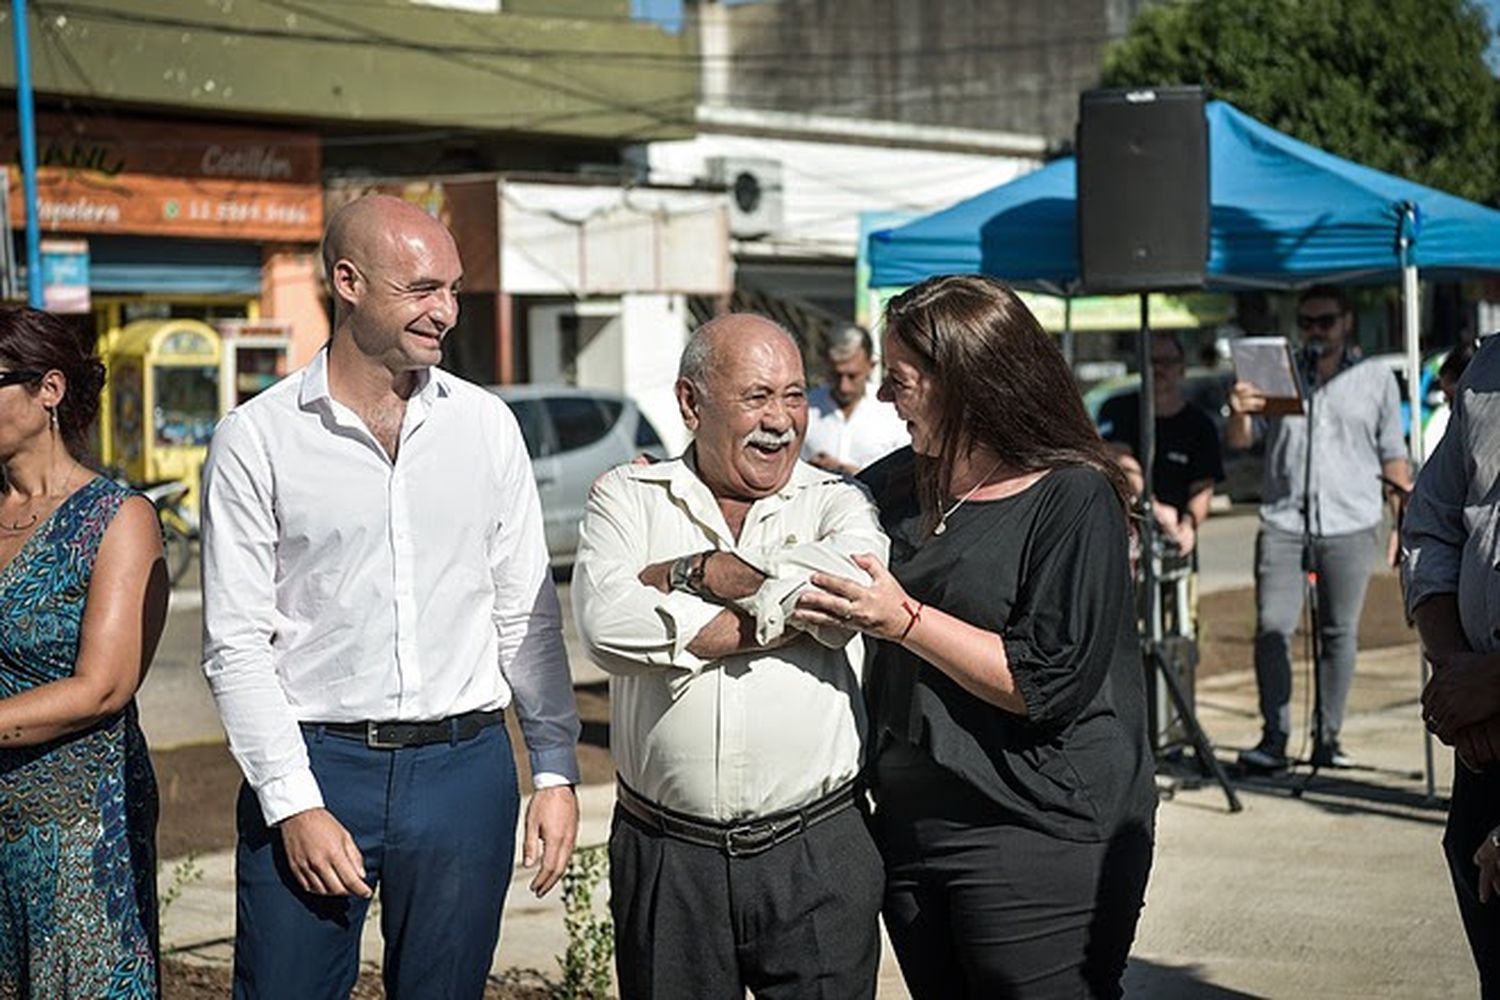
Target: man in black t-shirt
[(1188, 455)]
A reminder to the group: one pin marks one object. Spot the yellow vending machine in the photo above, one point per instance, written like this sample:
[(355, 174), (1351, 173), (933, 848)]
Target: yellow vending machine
[(162, 400)]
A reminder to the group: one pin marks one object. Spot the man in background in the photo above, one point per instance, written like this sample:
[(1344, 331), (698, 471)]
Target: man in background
[(847, 427), (1188, 458), (1355, 443)]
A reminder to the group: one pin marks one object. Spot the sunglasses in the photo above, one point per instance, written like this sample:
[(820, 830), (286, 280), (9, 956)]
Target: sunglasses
[(1322, 321), (20, 377)]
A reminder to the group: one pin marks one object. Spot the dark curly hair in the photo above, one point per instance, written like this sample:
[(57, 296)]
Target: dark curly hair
[(1000, 380), (33, 339)]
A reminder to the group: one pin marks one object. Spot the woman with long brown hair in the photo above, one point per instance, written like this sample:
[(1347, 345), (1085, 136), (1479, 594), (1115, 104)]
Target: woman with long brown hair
[(82, 602), (1011, 765)]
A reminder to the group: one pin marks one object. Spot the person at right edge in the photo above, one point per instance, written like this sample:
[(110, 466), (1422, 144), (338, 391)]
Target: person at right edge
[(1012, 772), (1452, 583), (1356, 444)]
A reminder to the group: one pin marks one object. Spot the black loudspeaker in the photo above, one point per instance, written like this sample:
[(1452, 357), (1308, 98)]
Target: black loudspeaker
[(1143, 211)]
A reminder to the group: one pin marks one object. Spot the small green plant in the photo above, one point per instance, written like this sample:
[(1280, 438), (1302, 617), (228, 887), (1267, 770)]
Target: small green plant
[(591, 940), (184, 873)]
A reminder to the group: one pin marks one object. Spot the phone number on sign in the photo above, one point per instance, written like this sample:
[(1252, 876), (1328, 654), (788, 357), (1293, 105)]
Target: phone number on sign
[(236, 211)]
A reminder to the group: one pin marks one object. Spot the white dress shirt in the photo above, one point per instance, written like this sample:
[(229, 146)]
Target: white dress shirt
[(752, 733), (342, 586), (872, 431)]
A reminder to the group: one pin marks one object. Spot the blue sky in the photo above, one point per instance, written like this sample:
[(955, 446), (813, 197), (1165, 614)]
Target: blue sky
[(1492, 12), (668, 13)]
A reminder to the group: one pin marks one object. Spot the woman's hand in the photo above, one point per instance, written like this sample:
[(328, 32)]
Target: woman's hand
[(878, 609)]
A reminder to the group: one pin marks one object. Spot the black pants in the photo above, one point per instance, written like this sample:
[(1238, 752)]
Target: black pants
[(1474, 812), (978, 906), (799, 921)]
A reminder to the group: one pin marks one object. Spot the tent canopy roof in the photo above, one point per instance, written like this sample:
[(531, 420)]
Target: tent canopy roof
[(1283, 214)]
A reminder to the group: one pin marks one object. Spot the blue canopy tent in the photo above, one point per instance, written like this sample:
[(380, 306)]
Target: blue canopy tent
[(1283, 214)]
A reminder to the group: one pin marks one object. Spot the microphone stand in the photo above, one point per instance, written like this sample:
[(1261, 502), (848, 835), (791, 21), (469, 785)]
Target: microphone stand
[(1310, 582)]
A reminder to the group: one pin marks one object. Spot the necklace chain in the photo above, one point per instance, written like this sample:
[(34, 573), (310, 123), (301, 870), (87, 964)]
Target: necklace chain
[(942, 524), (35, 515)]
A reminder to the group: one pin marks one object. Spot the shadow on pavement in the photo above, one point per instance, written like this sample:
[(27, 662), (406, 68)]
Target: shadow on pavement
[(1168, 982), (1346, 790)]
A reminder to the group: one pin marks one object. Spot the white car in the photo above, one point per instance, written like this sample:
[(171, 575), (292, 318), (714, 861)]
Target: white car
[(573, 437)]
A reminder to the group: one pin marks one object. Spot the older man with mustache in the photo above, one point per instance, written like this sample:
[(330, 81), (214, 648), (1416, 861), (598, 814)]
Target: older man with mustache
[(740, 856)]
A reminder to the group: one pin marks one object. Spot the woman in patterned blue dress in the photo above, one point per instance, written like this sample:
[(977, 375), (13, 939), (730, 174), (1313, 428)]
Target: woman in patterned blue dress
[(82, 603)]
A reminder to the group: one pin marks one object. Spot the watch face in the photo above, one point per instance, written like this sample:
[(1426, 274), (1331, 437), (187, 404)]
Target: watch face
[(677, 578)]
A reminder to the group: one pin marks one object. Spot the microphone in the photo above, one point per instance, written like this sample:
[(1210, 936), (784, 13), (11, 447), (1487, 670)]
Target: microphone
[(1313, 350)]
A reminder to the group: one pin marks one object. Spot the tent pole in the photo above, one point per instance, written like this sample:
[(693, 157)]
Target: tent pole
[(1411, 310), (1069, 349), (1411, 303)]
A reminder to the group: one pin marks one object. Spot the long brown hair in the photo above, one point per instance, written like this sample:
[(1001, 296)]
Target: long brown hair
[(999, 381)]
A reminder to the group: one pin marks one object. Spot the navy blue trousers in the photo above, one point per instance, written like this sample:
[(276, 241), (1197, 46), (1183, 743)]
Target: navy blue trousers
[(437, 828)]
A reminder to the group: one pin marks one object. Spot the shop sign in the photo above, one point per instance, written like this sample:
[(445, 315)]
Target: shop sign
[(114, 175), (65, 276)]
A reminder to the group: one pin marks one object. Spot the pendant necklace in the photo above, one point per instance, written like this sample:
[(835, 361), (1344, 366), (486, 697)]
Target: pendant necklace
[(20, 525), (35, 515), (942, 524)]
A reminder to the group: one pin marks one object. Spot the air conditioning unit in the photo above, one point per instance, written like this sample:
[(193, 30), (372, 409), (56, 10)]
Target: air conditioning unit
[(754, 193)]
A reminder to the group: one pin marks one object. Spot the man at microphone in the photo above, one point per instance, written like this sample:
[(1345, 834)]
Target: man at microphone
[(1333, 497)]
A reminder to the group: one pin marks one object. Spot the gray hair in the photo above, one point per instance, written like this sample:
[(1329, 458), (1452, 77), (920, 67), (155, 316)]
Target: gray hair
[(844, 343), (699, 354)]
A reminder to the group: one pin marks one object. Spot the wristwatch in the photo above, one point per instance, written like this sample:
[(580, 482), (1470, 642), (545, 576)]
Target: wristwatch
[(686, 574), (681, 575)]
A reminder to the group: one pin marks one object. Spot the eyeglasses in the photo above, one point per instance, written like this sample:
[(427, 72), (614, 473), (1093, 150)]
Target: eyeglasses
[(1322, 321), (20, 377)]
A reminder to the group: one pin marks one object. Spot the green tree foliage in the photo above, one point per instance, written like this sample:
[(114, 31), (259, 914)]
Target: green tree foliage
[(1399, 85)]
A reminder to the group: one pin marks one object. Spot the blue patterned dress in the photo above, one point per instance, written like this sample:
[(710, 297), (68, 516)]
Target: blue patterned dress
[(78, 815)]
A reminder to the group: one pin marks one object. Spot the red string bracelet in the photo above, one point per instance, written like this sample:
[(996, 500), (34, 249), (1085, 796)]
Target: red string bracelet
[(916, 616)]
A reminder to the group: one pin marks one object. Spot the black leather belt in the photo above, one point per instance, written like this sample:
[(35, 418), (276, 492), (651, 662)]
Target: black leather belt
[(398, 735), (737, 840)]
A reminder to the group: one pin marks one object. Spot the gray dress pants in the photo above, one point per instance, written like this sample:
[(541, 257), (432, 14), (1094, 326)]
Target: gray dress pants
[(1344, 564)]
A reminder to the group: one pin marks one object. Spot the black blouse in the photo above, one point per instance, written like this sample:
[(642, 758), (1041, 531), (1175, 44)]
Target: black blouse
[(1048, 569)]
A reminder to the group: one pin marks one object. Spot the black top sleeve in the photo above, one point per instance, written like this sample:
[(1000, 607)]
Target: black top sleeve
[(1063, 629)]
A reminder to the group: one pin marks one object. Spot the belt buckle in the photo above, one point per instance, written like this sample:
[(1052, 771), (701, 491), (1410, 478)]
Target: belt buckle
[(757, 838), (373, 740)]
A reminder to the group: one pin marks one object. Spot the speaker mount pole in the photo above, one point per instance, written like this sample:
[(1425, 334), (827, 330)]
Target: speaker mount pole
[(1154, 649)]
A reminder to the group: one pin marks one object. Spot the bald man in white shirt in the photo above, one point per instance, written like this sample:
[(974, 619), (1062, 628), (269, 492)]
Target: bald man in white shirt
[(739, 857), (376, 595)]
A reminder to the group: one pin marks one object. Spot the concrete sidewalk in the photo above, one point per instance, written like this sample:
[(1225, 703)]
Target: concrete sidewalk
[(1341, 893)]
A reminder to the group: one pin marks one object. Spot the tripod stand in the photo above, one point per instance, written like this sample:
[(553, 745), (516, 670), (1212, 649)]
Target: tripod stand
[(1158, 658)]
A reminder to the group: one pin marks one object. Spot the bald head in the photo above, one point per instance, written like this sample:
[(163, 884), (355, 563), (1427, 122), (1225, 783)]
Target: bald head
[(743, 396), (395, 275), (374, 226), (712, 345)]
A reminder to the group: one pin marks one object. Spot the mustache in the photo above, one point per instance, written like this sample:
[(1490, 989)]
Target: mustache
[(770, 439)]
